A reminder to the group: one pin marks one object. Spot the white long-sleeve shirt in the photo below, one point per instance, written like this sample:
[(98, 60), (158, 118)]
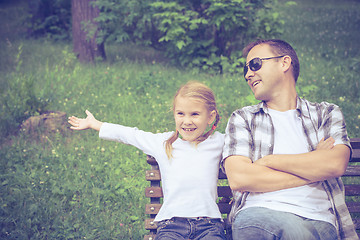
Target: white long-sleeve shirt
[(189, 179)]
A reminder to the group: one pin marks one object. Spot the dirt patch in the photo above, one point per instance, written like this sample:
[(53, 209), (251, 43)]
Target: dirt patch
[(46, 124)]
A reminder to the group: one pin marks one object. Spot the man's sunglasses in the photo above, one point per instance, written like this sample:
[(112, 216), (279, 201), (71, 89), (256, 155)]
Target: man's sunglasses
[(256, 63)]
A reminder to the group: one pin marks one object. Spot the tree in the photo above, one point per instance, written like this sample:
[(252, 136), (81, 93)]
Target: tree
[(85, 30)]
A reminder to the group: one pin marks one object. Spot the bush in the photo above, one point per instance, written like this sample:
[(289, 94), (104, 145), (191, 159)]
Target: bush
[(210, 34)]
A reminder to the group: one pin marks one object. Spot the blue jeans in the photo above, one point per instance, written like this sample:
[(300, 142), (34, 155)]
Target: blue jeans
[(263, 223), (188, 228)]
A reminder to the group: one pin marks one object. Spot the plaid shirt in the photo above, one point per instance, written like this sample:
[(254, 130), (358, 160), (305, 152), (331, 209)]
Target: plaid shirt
[(250, 133)]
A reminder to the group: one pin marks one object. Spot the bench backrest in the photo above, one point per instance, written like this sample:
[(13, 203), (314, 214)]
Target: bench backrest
[(351, 180)]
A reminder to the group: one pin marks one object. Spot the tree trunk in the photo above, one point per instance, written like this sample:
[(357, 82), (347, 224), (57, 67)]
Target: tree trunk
[(85, 30)]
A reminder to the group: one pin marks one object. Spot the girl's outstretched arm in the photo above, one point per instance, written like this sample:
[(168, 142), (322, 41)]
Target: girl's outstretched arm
[(85, 123)]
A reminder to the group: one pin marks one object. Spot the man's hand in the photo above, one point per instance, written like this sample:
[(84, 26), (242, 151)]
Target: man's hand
[(326, 144)]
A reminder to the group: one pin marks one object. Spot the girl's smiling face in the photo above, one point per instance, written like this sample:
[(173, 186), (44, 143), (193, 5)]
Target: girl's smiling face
[(191, 117)]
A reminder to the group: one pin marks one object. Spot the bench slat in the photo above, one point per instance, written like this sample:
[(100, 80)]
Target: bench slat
[(153, 192), (152, 208), (354, 207), (150, 224), (152, 175), (355, 157), (224, 191), (355, 143), (222, 175), (151, 160), (356, 222), (224, 208), (352, 170), (352, 190), (149, 237)]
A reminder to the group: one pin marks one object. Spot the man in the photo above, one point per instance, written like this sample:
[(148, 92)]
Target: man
[(284, 186)]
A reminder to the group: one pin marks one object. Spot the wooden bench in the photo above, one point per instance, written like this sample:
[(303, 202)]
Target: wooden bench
[(351, 180)]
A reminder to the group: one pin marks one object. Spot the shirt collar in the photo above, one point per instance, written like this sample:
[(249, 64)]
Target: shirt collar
[(301, 107)]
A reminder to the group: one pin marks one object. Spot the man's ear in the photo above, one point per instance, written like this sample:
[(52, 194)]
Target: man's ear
[(286, 63)]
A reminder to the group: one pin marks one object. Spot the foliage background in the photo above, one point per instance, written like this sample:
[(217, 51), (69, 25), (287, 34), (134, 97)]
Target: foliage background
[(207, 34), (72, 185)]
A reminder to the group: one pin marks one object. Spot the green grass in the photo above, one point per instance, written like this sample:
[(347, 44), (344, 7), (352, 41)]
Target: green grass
[(75, 186)]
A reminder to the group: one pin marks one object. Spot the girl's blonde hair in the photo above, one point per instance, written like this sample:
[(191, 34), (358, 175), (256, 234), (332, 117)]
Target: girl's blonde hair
[(201, 92)]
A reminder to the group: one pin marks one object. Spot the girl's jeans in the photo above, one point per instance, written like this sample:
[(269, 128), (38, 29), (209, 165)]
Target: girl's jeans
[(262, 223), (190, 228)]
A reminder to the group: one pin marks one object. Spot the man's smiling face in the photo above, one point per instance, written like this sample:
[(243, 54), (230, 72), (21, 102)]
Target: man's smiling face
[(266, 80)]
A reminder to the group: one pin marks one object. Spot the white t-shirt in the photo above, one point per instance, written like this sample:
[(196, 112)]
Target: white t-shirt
[(189, 179), (309, 201)]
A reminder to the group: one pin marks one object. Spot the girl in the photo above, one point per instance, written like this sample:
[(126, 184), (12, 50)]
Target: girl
[(188, 160)]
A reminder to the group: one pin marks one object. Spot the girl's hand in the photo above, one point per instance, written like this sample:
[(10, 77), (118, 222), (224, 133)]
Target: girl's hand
[(326, 144), (84, 123)]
